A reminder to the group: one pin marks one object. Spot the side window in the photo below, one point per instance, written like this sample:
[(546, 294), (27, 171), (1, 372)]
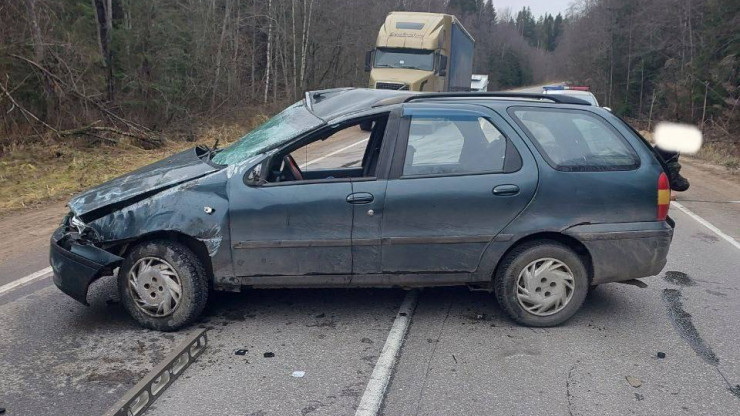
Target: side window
[(343, 149), (453, 145), (575, 140)]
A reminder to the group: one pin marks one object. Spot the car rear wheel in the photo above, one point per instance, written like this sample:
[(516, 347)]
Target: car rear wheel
[(163, 285), (542, 283)]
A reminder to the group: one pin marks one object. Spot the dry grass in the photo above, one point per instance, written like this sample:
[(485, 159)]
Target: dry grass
[(720, 153), (31, 174)]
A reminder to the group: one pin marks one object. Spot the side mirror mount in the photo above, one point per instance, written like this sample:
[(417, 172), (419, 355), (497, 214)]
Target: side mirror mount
[(442, 71), (253, 177), (368, 60), (676, 137)]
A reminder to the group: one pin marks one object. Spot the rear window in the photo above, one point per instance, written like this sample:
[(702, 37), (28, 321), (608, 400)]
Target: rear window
[(575, 140)]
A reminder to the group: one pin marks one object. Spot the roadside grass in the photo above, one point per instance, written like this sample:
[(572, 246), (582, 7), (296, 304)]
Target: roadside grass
[(48, 169), (720, 153)]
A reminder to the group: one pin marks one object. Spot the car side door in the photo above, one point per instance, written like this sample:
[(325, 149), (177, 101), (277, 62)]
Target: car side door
[(459, 175)]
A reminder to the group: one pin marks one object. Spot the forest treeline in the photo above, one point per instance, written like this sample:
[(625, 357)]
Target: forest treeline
[(108, 69), (668, 59)]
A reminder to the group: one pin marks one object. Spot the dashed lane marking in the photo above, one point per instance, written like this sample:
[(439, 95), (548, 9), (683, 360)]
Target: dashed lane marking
[(41, 274)]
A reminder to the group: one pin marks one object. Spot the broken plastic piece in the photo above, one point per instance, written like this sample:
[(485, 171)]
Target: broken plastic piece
[(661, 354), (634, 381), (298, 374), (242, 351), (269, 354)]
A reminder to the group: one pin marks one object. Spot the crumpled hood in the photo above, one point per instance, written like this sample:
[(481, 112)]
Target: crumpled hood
[(139, 184)]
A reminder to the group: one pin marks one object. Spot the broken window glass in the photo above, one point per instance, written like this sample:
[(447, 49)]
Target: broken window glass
[(288, 124)]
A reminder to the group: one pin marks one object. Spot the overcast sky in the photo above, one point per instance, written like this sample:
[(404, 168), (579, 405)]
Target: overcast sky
[(538, 7)]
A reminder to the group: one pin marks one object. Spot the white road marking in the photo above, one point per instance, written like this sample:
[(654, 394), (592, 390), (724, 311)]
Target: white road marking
[(372, 399), (707, 224), (41, 274), (303, 166)]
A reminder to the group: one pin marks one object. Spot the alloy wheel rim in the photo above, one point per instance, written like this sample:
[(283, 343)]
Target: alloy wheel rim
[(155, 287), (545, 287)]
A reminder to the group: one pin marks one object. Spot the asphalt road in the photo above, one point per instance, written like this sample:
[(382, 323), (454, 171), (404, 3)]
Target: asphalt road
[(461, 354)]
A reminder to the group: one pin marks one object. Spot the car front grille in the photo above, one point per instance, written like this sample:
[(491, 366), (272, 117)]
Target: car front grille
[(391, 86)]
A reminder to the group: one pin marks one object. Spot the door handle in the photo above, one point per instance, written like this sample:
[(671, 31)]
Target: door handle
[(506, 190), (360, 198)]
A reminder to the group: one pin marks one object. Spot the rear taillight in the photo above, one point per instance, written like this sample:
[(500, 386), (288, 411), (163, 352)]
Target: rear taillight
[(664, 196)]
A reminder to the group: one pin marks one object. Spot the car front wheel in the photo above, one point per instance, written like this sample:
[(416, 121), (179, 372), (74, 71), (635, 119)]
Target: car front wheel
[(542, 283), (163, 285)]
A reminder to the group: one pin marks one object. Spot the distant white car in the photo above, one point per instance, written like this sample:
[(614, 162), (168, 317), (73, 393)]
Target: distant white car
[(479, 82), (584, 95)]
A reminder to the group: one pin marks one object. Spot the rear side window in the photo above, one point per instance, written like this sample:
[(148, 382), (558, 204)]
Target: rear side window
[(575, 140), (455, 145)]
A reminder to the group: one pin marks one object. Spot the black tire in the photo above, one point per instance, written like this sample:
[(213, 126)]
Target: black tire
[(507, 273), (191, 274), (592, 289)]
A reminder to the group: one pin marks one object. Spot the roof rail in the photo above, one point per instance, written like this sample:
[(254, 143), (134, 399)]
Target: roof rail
[(560, 99)]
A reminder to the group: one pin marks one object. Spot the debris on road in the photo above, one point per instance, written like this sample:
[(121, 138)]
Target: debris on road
[(366, 340), (2, 410), (242, 351), (661, 354), (269, 354), (298, 374), (634, 381)]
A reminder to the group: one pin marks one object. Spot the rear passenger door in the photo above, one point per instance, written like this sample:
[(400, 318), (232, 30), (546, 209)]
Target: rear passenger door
[(460, 174)]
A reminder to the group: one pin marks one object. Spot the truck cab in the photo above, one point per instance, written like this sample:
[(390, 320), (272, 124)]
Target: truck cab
[(421, 52)]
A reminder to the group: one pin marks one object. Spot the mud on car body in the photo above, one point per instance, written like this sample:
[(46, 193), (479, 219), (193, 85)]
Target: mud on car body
[(533, 197)]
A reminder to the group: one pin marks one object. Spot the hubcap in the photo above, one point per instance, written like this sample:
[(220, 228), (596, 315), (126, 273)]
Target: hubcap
[(545, 287), (155, 286)]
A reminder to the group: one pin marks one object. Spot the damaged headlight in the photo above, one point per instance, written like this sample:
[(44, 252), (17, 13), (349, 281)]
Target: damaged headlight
[(77, 223)]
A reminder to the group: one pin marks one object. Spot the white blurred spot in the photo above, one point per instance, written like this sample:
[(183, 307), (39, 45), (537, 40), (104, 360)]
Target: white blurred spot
[(675, 137)]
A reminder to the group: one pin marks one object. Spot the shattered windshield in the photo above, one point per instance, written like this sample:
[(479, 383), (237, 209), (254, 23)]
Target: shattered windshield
[(291, 122)]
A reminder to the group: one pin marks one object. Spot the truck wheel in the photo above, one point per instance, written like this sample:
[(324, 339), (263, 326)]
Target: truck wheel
[(163, 285), (542, 283)]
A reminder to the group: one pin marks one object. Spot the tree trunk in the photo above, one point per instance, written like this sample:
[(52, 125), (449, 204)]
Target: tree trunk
[(218, 55), (104, 19), (295, 74), (268, 55), (39, 55), (305, 37)]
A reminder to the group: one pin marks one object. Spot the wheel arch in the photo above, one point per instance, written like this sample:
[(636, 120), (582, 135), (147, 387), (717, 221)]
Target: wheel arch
[(196, 246), (571, 242)]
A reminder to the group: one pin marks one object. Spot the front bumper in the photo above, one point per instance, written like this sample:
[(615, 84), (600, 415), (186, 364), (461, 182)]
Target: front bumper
[(625, 251), (76, 264)]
